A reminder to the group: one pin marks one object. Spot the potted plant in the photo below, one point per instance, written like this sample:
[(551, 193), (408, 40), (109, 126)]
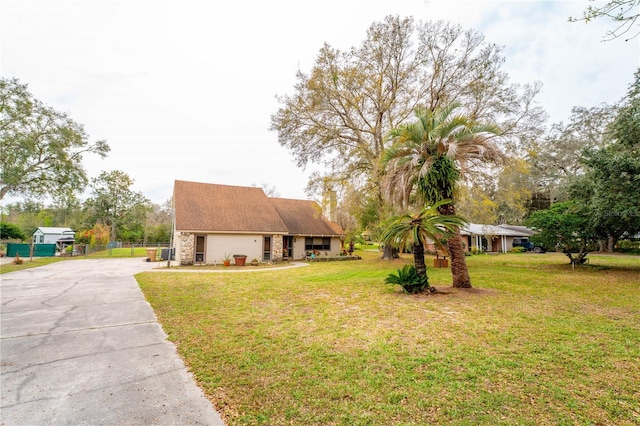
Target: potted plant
[(227, 260), (240, 259), (255, 262)]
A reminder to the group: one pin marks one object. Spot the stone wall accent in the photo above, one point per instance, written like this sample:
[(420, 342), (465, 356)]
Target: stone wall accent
[(277, 248), (187, 247)]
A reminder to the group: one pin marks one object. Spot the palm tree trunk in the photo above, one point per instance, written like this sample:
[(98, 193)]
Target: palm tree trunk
[(459, 270), (418, 259)]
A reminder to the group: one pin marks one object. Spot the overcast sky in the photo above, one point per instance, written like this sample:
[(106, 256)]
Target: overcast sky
[(184, 89)]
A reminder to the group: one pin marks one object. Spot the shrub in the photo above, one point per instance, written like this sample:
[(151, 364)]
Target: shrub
[(99, 235), (517, 249), (409, 280), (9, 231), (628, 246)]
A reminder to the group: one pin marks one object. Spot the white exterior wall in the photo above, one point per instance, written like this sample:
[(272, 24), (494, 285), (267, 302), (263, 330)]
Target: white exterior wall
[(219, 244), (251, 245), (298, 248), (336, 246), (299, 251)]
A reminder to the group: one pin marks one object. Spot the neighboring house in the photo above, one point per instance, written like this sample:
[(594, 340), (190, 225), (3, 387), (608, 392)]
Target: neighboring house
[(211, 221), (493, 238), (49, 235)]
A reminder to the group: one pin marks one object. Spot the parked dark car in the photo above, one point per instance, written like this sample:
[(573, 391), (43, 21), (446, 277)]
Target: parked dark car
[(528, 245)]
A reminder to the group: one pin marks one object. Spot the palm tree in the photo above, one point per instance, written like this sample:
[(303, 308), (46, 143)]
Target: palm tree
[(427, 224), (427, 159)]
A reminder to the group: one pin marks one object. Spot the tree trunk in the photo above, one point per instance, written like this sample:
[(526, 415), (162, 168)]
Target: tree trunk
[(4, 191), (459, 270), (389, 252), (611, 243), (418, 259)]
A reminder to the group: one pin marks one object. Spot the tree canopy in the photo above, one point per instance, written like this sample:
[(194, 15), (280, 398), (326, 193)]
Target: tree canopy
[(342, 110), (610, 186), (114, 204), (42, 149), (565, 226), (603, 192), (611, 192)]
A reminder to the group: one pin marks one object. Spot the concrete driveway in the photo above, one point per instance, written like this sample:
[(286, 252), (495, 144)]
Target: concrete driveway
[(80, 345)]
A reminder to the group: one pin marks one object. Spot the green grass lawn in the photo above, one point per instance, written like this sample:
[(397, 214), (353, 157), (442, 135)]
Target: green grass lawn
[(534, 342)]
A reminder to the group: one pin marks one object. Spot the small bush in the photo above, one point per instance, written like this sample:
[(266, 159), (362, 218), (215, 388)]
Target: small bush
[(409, 280), (517, 249), (629, 247)]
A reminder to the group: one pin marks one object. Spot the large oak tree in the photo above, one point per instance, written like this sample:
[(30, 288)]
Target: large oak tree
[(42, 148), (343, 108)]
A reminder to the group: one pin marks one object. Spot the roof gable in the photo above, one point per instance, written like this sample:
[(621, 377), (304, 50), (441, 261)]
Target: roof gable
[(212, 207), (304, 217)]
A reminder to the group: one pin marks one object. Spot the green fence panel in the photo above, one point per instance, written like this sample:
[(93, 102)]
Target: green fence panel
[(44, 250), (22, 250)]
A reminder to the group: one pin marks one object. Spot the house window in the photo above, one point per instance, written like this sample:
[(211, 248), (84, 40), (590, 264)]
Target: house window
[(287, 247), (317, 243), (266, 252), (199, 249)]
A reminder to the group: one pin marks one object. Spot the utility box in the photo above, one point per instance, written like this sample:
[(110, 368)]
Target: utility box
[(164, 254)]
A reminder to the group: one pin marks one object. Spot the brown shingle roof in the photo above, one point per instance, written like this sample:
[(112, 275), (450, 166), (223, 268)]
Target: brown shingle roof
[(303, 217), (211, 207), (219, 208)]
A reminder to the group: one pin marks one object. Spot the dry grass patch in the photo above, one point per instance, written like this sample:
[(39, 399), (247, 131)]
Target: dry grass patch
[(534, 343)]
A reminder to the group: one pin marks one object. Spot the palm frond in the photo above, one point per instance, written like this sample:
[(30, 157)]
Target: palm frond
[(414, 159)]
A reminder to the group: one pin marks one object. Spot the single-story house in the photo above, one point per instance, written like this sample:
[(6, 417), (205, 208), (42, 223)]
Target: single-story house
[(51, 235), (214, 221), (493, 238)]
